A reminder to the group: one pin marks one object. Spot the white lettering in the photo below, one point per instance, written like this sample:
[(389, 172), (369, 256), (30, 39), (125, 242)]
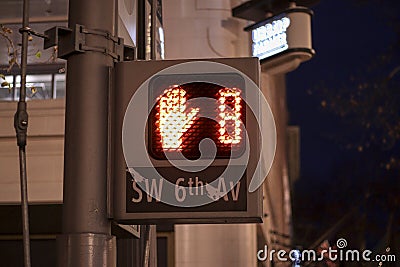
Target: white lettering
[(190, 184), (271, 254), (365, 255), (199, 184), (271, 38), (235, 195), (138, 191), (222, 185), (281, 255), (153, 189), (332, 254), (181, 189), (261, 251)]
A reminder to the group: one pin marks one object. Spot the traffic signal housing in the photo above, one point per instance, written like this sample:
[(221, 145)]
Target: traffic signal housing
[(186, 141)]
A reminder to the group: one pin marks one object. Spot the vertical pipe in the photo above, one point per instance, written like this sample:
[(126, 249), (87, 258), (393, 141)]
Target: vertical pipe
[(141, 29), (25, 213), (87, 239), (86, 125), (24, 54), (21, 124), (153, 30), (147, 259), (53, 87)]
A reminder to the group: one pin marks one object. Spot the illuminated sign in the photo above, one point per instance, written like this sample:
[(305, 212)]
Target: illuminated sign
[(270, 38), (177, 125), (288, 33), (188, 141)]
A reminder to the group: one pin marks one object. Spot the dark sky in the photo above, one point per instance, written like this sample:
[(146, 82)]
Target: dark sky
[(350, 37), (347, 37)]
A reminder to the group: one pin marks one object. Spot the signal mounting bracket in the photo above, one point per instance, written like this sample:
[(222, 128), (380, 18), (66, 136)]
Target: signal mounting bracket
[(81, 39)]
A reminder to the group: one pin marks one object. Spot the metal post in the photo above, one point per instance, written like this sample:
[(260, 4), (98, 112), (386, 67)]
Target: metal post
[(86, 239), (149, 253), (21, 126), (141, 29)]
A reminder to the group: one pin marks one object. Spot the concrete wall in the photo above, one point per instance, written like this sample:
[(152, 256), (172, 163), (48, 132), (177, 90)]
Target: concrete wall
[(277, 204), (45, 152)]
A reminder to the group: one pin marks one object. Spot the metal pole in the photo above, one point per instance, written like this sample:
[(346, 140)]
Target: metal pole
[(21, 126), (150, 243), (141, 29), (25, 212), (86, 239)]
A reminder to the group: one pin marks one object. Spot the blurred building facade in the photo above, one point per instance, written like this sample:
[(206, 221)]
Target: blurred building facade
[(191, 29)]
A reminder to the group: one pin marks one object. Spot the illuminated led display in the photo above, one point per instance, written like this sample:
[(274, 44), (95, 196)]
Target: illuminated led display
[(176, 125), (174, 119), (229, 119), (270, 38)]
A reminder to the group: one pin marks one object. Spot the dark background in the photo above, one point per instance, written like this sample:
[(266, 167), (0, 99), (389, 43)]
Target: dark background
[(346, 101)]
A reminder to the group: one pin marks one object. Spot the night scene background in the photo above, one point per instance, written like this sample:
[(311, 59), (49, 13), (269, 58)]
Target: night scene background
[(346, 101)]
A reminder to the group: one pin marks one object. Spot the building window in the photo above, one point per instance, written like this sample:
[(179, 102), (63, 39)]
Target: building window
[(41, 83), (6, 89), (59, 83)]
